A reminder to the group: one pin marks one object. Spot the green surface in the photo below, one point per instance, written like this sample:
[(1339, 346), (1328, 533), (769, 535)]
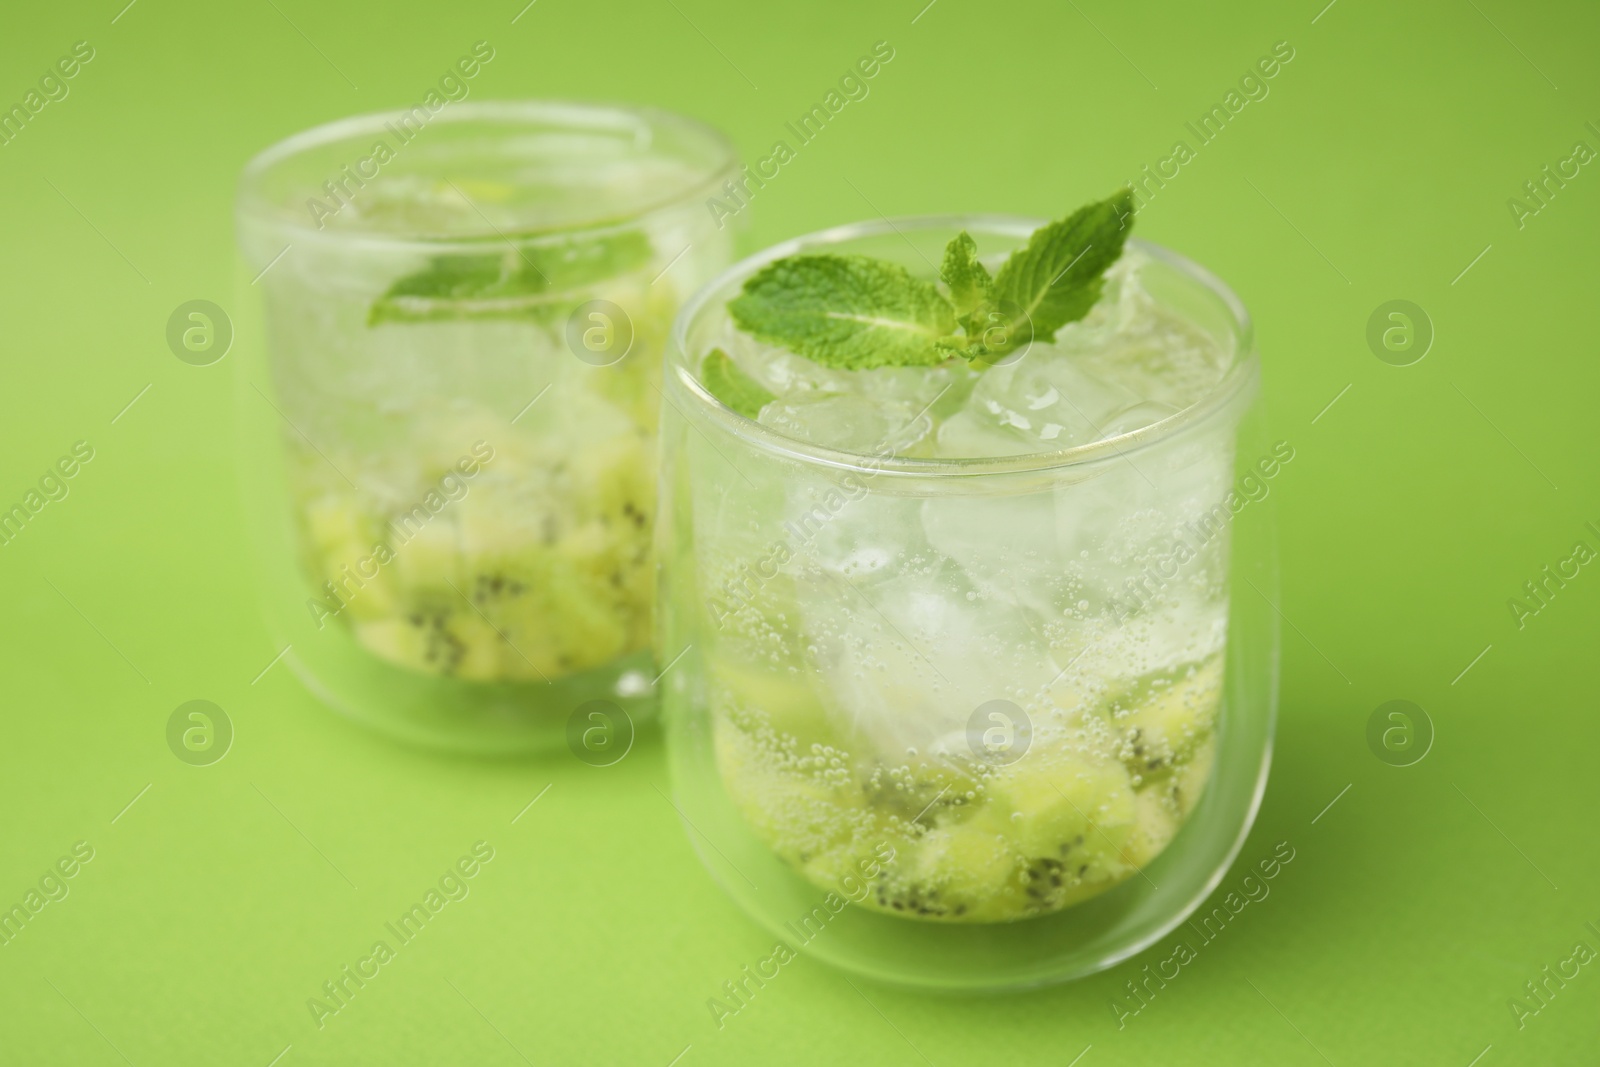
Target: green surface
[(1378, 168)]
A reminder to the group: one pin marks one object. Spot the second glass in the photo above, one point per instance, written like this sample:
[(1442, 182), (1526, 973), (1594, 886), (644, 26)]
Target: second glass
[(986, 722), (449, 404)]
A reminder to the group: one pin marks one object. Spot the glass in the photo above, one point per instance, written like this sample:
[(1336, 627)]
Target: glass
[(969, 723), (449, 399)]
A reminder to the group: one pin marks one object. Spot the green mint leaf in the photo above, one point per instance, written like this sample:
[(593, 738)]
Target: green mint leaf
[(736, 389), (584, 261), (969, 281), (1058, 276), (847, 312), (536, 281)]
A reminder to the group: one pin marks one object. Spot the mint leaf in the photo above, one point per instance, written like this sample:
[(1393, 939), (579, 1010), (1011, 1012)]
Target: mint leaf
[(969, 281), (569, 264), (452, 287), (736, 389), (1058, 276), (848, 312), (522, 281)]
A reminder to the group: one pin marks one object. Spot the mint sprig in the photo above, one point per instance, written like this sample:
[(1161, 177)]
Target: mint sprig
[(736, 389), (854, 313), (521, 281)]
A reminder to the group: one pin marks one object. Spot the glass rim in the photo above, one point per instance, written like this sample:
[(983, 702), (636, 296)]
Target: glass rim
[(250, 203), (1240, 376)]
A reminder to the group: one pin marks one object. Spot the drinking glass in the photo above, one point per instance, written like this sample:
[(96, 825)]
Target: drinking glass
[(969, 723), (448, 405)]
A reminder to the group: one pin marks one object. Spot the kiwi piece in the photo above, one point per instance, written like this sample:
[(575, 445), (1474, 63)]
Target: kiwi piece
[(1169, 718), (762, 701), (1048, 833), (964, 871), (794, 799), (434, 640), (344, 545)]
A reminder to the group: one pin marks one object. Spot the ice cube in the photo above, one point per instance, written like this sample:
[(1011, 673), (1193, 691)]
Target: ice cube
[(1157, 356), (907, 654), (1044, 403), (847, 421), (783, 372), (1007, 545), (970, 435)]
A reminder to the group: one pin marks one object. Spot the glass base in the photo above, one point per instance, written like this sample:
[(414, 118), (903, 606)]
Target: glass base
[(480, 718)]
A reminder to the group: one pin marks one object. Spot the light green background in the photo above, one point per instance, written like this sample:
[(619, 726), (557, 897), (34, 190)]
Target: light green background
[(1378, 168)]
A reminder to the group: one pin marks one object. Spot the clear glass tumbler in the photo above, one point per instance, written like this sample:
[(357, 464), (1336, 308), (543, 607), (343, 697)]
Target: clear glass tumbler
[(969, 723), (448, 404)]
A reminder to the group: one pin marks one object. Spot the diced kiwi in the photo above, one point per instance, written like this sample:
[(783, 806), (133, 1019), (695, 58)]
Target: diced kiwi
[(971, 843), (964, 871), (540, 568), (1169, 718), (784, 703)]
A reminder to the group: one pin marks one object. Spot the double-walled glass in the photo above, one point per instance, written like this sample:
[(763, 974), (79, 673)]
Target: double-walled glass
[(969, 723), (449, 402)]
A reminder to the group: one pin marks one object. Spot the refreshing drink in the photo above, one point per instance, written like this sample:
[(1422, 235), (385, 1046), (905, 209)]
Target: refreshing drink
[(462, 371), (955, 608)]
